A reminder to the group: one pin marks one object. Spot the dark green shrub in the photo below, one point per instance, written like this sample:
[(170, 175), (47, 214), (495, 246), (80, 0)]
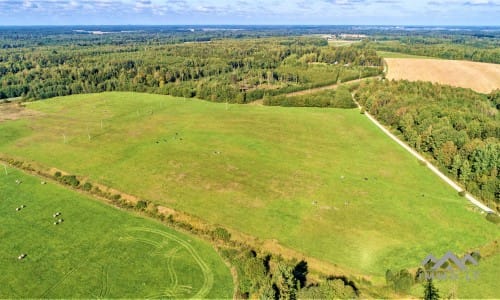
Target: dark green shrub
[(330, 289), (116, 197), (493, 218), (57, 174), (70, 180), (461, 193), (87, 186), (170, 219), (141, 205)]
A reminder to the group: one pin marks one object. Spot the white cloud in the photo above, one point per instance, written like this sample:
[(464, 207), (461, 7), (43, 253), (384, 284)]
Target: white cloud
[(254, 11)]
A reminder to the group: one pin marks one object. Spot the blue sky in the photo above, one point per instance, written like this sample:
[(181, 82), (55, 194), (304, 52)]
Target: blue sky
[(327, 12)]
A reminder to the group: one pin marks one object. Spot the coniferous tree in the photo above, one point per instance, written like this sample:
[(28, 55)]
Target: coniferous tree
[(430, 292)]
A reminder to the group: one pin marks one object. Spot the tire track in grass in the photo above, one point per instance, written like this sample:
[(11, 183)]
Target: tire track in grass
[(208, 276), (64, 277)]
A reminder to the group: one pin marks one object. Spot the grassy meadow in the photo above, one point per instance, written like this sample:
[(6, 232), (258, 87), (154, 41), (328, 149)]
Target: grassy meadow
[(478, 282), (97, 251), (325, 182)]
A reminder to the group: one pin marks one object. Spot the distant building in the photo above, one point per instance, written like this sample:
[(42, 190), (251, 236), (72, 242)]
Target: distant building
[(344, 36), (349, 36)]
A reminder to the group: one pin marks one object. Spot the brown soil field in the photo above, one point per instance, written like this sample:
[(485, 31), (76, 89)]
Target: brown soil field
[(481, 77)]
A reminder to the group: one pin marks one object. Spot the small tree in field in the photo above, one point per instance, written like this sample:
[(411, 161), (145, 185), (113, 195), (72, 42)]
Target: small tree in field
[(430, 291)]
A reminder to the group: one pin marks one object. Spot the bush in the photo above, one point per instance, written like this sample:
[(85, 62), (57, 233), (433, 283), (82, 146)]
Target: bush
[(400, 281), (57, 174), (330, 289), (87, 186), (461, 193), (493, 218), (141, 205), (222, 234), (116, 197), (70, 180)]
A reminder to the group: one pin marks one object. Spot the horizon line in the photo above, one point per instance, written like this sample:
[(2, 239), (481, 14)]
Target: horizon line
[(271, 25)]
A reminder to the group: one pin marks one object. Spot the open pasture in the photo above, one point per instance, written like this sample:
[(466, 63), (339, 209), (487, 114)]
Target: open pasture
[(57, 243), (326, 183), (477, 282), (481, 77)]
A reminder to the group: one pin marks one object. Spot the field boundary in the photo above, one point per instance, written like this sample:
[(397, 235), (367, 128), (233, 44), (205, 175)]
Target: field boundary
[(428, 164), (200, 226)]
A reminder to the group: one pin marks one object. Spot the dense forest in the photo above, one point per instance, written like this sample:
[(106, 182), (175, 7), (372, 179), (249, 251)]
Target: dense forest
[(240, 70), (456, 128)]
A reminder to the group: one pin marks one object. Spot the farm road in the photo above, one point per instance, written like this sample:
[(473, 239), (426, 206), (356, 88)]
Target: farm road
[(314, 90), (436, 171)]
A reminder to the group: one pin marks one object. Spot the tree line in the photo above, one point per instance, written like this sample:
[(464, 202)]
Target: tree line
[(231, 70)]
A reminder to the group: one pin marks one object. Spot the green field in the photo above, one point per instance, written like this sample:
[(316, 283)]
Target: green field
[(481, 282), (325, 182), (97, 251)]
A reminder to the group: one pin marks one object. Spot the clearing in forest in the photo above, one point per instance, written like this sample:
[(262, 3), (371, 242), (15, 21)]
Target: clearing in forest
[(481, 77)]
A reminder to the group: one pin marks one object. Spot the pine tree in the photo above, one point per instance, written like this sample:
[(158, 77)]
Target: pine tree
[(430, 292)]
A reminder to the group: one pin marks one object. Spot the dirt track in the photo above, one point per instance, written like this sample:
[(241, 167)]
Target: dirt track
[(434, 169), (481, 77)]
